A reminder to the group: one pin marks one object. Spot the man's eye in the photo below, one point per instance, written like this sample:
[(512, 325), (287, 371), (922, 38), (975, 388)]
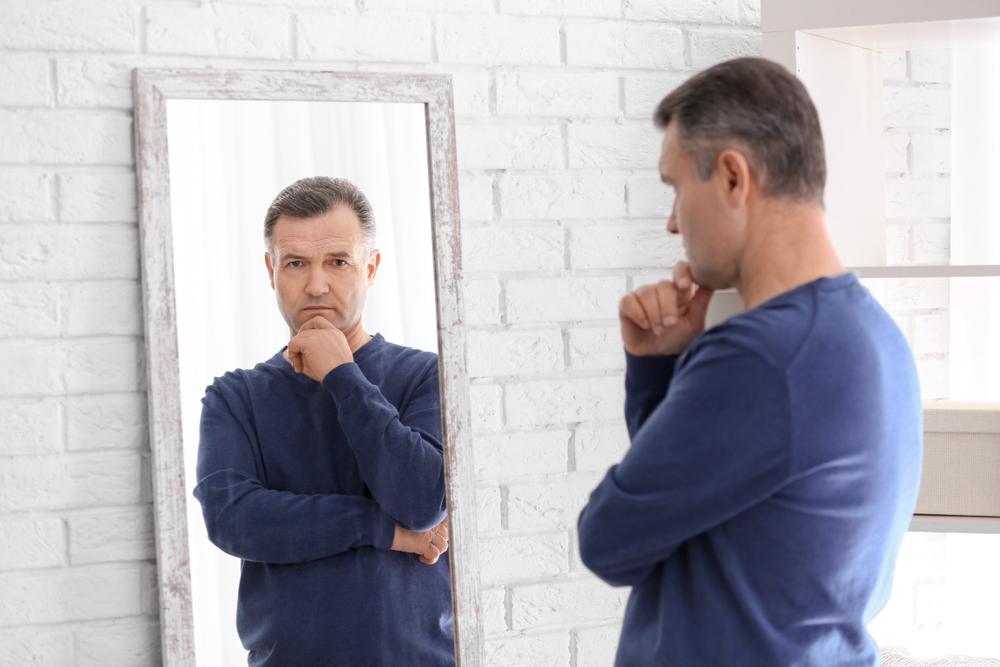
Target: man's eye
[(294, 264), (339, 262)]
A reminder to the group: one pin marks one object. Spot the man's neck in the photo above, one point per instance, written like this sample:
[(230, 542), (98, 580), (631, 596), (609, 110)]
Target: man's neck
[(787, 245), (356, 337)]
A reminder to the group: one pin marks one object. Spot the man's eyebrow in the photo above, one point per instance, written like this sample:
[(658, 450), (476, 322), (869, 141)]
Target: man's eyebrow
[(337, 254)]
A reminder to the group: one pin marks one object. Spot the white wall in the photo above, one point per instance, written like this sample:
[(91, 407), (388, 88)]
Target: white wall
[(562, 213)]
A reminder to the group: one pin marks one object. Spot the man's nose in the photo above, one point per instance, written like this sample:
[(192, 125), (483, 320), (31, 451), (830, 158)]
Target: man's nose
[(672, 224), (317, 285)]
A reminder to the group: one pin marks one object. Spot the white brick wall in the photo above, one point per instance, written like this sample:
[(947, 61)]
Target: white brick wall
[(562, 213)]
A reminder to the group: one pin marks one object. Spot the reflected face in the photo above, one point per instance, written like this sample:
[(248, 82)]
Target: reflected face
[(322, 268), (701, 216)]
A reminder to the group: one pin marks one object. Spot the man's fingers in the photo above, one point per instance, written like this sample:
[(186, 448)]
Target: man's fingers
[(700, 300), (631, 309), (666, 295), (682, 276)]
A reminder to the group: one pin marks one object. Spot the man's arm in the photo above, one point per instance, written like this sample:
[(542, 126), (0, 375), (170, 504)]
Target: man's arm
[(399, 456), (252, 522), (717, 446)]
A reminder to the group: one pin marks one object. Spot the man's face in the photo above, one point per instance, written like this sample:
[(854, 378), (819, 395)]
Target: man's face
[(701, 216), (321, 268)]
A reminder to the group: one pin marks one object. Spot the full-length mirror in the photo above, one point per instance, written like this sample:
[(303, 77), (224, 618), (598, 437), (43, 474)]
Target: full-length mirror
[(303, 495)]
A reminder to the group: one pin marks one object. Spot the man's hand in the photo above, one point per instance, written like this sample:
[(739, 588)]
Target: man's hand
[(428, 545), (664, 318), (318, 348)]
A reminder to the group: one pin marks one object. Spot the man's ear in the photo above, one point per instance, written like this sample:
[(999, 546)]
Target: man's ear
[(734, 170), (373, 261), (270, 268)]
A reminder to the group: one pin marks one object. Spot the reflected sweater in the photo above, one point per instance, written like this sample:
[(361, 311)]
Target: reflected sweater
[(773, 470), (305, 482)]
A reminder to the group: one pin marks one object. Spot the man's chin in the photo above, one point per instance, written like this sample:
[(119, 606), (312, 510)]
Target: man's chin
[(328, 315)]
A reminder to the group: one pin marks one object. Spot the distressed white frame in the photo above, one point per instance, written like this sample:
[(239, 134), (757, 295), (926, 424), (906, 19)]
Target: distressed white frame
[(152, 88)]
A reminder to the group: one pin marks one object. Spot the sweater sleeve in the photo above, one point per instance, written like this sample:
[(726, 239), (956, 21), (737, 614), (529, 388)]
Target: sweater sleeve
[(250, 521), (400, 455), (646, 383), (717, 445)]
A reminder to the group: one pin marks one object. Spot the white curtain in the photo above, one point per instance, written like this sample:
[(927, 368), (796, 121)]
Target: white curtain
[(228, 159), (973, 355)]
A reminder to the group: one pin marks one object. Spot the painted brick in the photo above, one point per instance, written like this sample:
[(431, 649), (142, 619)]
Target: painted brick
[(387, 36), (36, 646), (931, 244), (217, 30), (709, 47), (616, 146), (588, 8), (104, 366), (486, 407), (94, 83), (527, 453), (475, 197), (459, 6), (596, 348), (92, 309), (649, 197), (26, 82), (930, 334), (894, 66), (69, 595), (931, 153), (107, 537), (41, 252), (105, 25), (933, 375), (898, 245), (69, 481), (620, 44), (916, 106), (903, 294), (328, 5), (106, 422), (554, 402), (482, 301), (514, 352), (750, 13), (554, 502), (31, 368), (932, 65), (644, 93), (508, 557), (563, 299), (573, 95), (918, 197), (491, 40), (685, 11), (548, 650), (37, 309), (896, 144), (494, 613), (621, 246), (149, 591), (578, 600), (600, 446), (509, 146), (65, 138), (24, 197), (118, 643), (97, 198), (472, 93), (596, 647), (565, 195), (32, 543), (488, 509), (505, 249), (29, 427)]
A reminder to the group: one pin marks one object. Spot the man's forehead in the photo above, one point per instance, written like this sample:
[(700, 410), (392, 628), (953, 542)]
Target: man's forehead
[(334, 231)]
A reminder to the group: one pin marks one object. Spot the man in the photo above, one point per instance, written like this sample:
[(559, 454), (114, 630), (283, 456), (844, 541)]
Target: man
[(321, 468), (775, 458)]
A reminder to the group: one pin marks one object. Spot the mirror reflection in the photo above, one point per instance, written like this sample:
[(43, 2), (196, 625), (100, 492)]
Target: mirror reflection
[(316, 510)]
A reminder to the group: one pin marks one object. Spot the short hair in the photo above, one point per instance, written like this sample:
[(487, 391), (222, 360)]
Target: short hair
[(316, 195), (758, 106)]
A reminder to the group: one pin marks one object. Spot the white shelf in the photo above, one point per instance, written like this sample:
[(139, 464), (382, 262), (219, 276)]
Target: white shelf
[(926, 523)]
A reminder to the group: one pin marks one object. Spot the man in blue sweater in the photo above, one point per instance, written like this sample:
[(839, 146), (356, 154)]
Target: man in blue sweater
[(321, 468), (775, 458)]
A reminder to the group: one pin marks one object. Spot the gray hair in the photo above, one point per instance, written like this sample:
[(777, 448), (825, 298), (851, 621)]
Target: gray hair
[(755, 105), (316, 195)]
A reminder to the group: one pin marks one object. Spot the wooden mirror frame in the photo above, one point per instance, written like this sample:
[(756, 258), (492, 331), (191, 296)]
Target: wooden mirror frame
[(152, 88)]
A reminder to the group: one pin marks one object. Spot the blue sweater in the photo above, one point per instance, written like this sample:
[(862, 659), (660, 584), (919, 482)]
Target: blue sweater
[(305, 483), (774, 468)]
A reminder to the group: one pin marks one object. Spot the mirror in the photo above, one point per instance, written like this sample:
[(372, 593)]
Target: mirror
[(214, 150)]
